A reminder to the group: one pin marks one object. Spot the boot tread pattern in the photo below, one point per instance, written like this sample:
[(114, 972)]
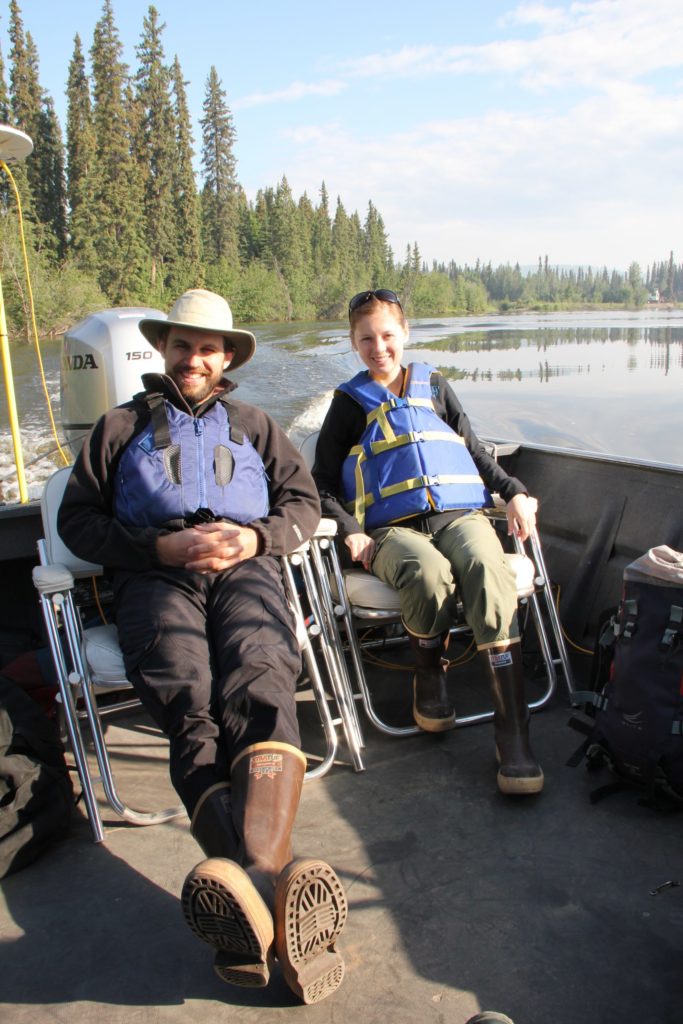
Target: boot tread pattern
[(315, 912), (216, 917), (235, 970)]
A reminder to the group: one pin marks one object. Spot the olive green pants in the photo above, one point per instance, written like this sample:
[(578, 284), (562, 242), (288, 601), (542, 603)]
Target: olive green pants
[(463, 560)]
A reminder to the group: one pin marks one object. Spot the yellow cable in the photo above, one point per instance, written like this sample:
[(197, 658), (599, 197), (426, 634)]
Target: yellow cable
[(34, 325), (465, 657), (581, 650), (96, 592), (387, 664), (462, 659)]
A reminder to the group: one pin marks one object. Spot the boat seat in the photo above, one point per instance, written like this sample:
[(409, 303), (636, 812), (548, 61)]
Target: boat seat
[(90, 671), (360, 600)]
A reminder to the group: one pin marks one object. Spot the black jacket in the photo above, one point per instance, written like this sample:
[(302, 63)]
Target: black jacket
[(86, 521)]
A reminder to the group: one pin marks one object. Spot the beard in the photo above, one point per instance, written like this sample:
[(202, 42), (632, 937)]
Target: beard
[(199, 388)]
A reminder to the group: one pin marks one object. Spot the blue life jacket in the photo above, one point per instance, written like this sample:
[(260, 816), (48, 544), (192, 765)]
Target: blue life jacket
[(183, 469), (408, 461)]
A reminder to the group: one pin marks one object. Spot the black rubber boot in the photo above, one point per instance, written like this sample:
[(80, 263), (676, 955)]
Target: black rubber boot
[(519, 772), (432, 709)]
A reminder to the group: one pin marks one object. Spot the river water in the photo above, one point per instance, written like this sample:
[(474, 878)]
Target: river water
[(607, 382)]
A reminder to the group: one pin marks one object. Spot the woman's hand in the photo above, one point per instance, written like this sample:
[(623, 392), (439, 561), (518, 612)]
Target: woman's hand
[(521, 516), (362, 548)]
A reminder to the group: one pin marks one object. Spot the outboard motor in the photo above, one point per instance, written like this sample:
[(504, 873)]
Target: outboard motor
[(103, 359)]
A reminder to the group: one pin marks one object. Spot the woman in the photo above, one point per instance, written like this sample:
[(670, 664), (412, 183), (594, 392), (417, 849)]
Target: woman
[(404, 476)]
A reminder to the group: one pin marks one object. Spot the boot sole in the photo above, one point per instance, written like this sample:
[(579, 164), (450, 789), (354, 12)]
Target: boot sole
[(432, 724), (520, 786), (222, 908), (310, 913)]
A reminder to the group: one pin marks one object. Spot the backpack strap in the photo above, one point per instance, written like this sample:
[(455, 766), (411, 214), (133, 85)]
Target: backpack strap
[(672, 631), (587, 728), (631, 619), (597, 700)]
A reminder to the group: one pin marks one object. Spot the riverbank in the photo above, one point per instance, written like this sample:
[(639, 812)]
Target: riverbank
[(53, 332)]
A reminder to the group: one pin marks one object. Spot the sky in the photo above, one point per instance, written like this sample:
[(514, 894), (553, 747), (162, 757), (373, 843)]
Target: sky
[(487, 130)]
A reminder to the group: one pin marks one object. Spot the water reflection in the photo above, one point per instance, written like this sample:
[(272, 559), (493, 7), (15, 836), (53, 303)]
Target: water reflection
[(629, 348)]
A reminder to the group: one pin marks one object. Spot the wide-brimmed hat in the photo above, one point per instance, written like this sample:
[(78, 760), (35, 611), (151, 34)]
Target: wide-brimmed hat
[(203, 311)]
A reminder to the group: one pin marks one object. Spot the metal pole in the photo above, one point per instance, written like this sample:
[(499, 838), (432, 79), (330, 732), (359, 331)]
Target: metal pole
[(11, 403), (15, 146)]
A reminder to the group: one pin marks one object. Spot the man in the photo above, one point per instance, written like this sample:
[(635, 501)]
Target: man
[(189, 496)]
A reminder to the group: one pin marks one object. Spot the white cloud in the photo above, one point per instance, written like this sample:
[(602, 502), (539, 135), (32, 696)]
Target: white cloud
[(293, 91), (511, 186), (589, 174), (584, 43)]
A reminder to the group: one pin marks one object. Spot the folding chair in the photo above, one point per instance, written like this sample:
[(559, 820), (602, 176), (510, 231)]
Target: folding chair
[(88, 663), (319, 629), (361, 599)]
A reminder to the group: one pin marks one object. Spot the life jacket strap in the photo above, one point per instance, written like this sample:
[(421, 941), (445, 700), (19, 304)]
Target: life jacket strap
[(162, 433), (377, 447), (379, 413), (426, 482), (236, 430), (160, 427)]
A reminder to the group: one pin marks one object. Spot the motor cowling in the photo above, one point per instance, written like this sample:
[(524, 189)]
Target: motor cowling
[(103, 359)]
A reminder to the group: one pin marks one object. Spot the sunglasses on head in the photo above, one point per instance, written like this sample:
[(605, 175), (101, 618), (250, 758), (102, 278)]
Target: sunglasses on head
[(383, 294)]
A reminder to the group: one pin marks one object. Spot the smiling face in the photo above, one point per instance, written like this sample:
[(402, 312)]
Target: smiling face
[(378, 336), (195, 360)]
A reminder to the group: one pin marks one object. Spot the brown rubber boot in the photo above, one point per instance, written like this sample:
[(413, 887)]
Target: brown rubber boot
[(266, 784), (305, 896), (432, 709), (219, 902), (230, 905), (519, 772)]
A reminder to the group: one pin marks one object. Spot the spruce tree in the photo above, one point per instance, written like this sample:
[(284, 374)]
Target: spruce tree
[(284, 235), (5, 118), (670, 277), (321, 239), (219, 193), (24, 105), (155, 152), (347, 261), (24, 87), (118, 195), (50, 182), (80, 153), (4, 94), (187, 270), (376, 248)]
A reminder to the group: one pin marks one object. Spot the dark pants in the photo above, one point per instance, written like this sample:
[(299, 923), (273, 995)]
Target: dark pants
[(215, 660)]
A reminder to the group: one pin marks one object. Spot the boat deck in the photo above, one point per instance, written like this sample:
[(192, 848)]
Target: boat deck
[(460, 899)]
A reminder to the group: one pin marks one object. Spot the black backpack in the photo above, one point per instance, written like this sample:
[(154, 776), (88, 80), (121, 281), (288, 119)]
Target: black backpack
[(36, 795), (637, 705)]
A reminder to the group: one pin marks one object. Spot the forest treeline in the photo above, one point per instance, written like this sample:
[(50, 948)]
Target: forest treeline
[(114, 213)]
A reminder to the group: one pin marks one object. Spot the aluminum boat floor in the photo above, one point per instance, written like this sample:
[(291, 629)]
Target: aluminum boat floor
[(460, 899)]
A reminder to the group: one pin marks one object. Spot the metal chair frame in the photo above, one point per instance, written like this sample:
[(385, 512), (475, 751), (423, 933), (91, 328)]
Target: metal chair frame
[(55, 579), (350, 617)]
